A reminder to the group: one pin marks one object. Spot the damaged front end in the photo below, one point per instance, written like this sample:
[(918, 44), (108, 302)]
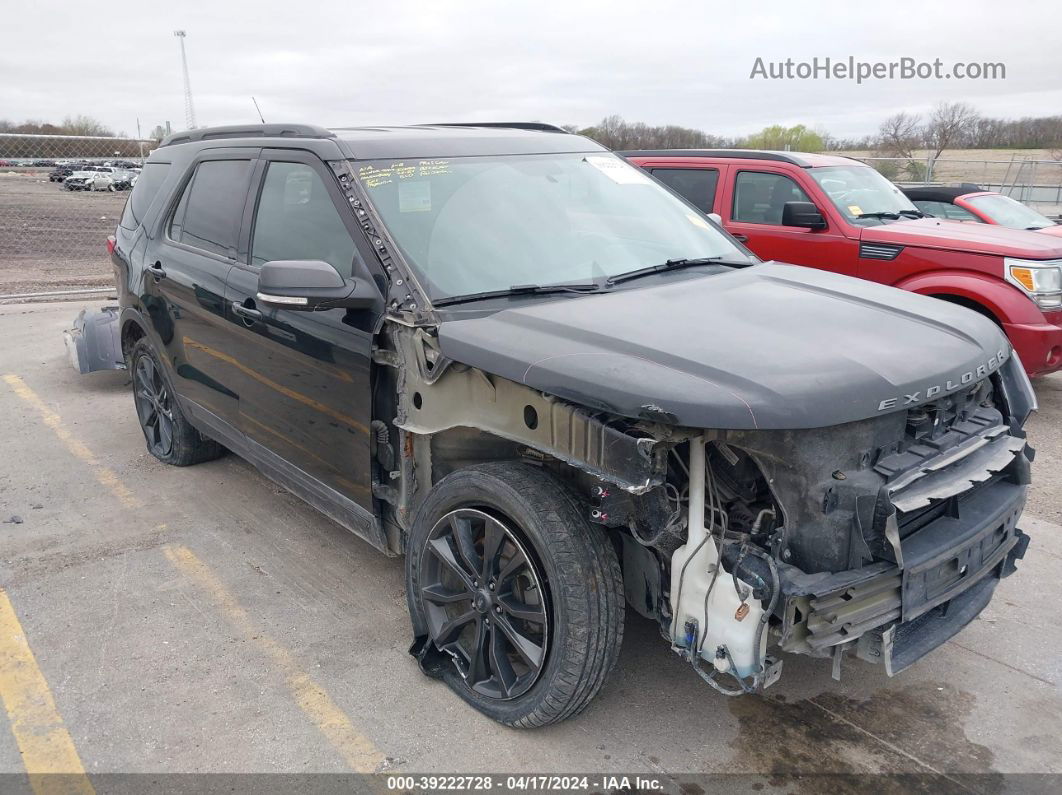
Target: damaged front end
[(882, 537), (878, 538)]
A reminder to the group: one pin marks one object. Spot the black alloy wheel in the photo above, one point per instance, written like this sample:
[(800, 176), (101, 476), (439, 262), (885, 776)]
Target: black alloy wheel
[(154, 406), (535, 648), (485, 603)]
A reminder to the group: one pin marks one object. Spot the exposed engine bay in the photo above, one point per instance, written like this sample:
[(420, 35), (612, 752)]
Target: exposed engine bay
[(878, 538), (882, 537)]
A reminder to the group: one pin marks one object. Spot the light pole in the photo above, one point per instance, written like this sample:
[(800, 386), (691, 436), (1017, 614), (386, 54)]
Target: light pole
[(189, 110)]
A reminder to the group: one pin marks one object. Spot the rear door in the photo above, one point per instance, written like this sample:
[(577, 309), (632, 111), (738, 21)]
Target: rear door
[(184, 283), (752, 212), (305, 391)]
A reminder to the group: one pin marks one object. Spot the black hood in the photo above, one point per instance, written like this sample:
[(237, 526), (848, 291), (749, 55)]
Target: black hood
[(770, 346)]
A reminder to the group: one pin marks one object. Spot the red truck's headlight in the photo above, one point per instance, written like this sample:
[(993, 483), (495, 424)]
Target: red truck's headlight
[(1041, 281)]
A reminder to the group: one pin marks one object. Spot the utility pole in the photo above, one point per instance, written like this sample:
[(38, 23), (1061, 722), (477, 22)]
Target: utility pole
[(189, 110)]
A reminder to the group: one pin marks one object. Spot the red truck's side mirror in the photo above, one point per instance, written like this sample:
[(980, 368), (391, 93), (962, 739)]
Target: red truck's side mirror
[(802, 214)]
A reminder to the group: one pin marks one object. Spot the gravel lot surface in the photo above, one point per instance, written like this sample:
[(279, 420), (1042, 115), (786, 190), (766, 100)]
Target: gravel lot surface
[(52, 238)]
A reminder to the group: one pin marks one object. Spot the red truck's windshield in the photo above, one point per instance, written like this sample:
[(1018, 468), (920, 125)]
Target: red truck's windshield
[(861, 194)]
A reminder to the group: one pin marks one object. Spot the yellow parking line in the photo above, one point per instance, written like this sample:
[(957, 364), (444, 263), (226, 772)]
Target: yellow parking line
[(43, 741), (357, 750), (104, 475)]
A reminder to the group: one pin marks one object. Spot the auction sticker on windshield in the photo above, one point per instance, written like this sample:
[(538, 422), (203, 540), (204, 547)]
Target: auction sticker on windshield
[(414, 197), (618, 171)]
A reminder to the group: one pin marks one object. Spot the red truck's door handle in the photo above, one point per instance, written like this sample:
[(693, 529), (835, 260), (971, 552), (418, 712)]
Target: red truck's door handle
[(739, 237)]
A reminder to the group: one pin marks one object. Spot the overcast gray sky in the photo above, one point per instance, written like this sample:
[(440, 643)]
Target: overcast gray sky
[(357, 62)]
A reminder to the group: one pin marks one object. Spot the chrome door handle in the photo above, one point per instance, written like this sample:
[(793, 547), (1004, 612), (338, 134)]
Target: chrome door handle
[(245, 311)]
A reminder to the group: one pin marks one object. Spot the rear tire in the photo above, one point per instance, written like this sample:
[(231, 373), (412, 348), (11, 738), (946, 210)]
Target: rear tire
[(572, 576), (169, 435)]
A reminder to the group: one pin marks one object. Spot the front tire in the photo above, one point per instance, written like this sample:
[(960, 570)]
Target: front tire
[(169, 435), (507, 577)]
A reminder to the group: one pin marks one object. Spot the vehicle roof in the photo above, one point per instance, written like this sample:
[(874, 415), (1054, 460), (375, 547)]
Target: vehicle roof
[(392, 142), (801, 159), (940, 193)]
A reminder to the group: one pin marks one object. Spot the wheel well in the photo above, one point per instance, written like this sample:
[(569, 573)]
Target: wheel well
[(131, 332), (969, 303)]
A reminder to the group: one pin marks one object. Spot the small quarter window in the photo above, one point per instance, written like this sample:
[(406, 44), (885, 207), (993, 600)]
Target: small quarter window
[(147, 187)]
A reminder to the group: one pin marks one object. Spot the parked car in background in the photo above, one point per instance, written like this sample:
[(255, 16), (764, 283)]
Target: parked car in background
[(64, 170), (84, 177), (44, 163), (80, 178), (970, 203), (99, 178), (104, 180), (123, 179), (841, 215), (113, 179)]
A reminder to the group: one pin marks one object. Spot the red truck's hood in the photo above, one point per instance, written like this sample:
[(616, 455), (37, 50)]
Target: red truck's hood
[(959, 236)]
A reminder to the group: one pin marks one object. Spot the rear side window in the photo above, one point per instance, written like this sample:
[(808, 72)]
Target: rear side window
[(147, 186), (759, 196), (695, 185), (296, 219), (208, 214)]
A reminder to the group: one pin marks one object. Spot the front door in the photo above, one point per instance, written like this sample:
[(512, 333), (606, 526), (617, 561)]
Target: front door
[(754, 216), (304, 391)]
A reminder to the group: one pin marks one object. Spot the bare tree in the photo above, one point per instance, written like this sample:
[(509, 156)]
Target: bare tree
[(616, 133), (950, 124), (900, 134), (84, 125)]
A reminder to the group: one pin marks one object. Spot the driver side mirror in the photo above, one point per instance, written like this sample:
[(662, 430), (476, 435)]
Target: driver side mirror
[(802, 214), (307, 285)]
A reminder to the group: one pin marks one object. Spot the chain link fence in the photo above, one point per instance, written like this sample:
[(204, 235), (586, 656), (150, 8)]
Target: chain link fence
[(60, 197)]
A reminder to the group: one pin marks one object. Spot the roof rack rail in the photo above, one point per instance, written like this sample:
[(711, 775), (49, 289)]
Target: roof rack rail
[(248, 131), (516, 125), (740, 154)]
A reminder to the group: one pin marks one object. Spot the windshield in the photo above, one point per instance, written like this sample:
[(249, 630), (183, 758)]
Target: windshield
[(1005, 211), (860, 192), (480, 224)]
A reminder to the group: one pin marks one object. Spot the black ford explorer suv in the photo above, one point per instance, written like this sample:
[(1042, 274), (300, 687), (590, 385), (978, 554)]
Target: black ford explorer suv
[(561, 391)]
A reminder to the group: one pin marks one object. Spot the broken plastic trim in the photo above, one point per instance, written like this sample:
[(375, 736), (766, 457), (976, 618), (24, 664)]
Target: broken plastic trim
[(94, 342)]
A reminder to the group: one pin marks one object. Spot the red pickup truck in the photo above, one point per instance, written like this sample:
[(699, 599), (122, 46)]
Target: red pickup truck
[(841, 215)]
